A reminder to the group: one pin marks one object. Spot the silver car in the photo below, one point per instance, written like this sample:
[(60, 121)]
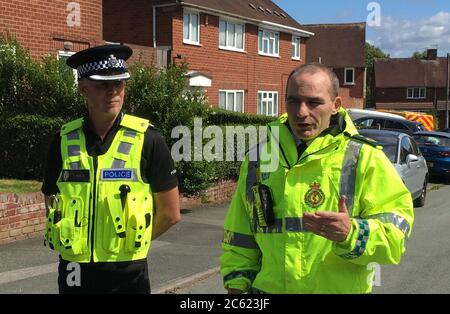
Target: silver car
[(403, 152)]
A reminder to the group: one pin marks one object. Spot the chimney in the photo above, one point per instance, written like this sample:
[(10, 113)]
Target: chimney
[(432, 54)]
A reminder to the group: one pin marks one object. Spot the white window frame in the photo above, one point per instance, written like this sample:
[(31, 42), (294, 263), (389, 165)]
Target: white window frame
[(62, 53), (269, 97), (422, 91), (235, 92), (296, 47), (270, 37), (232, 48), (189, 40), (345, 76)]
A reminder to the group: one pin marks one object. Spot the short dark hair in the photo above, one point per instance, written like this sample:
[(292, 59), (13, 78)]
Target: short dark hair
[(314, 68)]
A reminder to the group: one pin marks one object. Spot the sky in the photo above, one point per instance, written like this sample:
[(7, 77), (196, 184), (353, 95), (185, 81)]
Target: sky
[(401, 27)]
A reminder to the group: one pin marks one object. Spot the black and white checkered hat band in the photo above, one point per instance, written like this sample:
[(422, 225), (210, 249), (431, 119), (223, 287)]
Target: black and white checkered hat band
[(92, 67)]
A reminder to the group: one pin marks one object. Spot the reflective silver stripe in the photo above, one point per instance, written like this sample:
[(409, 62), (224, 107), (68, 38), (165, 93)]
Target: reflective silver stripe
[(118, 164), (129, 134), (348, 173), (398, 221), (294, 224), (361, 241), (124, 148), (75, 165), (73, 136), (276, 228), (240, 239), (73, 150)]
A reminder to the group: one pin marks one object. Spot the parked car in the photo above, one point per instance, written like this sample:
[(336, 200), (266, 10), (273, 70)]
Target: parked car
[(362, 113), (435, 147), (403, 152), (397, 124)]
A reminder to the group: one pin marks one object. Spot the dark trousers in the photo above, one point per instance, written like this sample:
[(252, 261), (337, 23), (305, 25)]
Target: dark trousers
[(103, 278)]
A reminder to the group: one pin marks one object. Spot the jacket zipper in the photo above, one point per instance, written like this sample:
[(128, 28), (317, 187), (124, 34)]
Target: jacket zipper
[(94, 200)]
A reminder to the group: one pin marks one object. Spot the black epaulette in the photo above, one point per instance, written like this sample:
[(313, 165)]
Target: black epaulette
[(365, 140)]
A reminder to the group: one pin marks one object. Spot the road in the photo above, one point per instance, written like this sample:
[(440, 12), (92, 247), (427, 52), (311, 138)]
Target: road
[(423, 268), (185, 259)]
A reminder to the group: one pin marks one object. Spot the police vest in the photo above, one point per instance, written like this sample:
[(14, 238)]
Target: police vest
[(104, 210)]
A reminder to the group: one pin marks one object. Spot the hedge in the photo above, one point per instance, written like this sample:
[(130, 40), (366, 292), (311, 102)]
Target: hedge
[(25, 142), (36, 98)]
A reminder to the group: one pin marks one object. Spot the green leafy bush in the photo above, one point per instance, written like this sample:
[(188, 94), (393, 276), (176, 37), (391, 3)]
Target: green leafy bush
[(36, 98), (25, 142)]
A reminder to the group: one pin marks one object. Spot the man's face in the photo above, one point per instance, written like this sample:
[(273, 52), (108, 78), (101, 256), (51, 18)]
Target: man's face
[(309, 104), (104, 98)]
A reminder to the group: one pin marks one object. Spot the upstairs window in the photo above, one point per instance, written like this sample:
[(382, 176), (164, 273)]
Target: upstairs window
[(295, 48), (191, 28), (231, 35), (416, 93), (268, 43), (349, 76)]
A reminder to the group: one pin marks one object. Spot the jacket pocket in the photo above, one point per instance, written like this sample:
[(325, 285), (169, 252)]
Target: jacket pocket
[(114, 224), (139, 224), (51, 235), (72, 228)]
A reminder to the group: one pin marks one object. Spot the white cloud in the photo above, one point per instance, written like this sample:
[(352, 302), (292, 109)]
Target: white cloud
[(400, 38)]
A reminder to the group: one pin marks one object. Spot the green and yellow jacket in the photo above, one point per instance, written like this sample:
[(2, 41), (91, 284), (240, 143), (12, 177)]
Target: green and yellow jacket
[(94, 218), (286, 258)]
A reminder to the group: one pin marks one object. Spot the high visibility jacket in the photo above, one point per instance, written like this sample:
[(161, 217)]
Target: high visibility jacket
[(286, 258), (93, 221)]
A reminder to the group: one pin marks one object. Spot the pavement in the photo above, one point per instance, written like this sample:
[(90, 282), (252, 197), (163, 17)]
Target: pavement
[(185, 259), (186, 254)]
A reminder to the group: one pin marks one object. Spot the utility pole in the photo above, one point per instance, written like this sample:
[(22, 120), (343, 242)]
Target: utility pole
[(447, 91)]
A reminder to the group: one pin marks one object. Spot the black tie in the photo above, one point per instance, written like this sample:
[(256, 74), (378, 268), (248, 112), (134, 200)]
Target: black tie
[(301, 148)]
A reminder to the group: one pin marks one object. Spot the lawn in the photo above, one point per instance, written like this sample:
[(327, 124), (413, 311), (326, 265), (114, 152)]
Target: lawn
[(19, 186)]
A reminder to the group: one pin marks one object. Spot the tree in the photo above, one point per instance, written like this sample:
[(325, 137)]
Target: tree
[(419, 55), (372, 53)]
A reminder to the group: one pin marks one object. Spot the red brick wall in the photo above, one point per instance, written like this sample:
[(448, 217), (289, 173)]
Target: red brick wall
[(352, 95), (21, 216), (41, 25), (135, 25), (236, 70)]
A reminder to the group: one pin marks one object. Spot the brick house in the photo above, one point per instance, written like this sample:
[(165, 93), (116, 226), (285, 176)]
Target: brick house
[(52, 27), (342, 47), (239, 52), (411, 84), (59, 28)]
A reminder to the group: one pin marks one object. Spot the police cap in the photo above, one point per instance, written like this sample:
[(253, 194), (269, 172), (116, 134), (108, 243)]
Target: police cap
[(102, 63)]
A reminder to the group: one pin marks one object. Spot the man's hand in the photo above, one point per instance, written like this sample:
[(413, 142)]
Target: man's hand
[(330, 225)]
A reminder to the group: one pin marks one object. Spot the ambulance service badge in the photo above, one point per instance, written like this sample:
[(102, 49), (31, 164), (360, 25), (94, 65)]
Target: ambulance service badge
[(315, 196)]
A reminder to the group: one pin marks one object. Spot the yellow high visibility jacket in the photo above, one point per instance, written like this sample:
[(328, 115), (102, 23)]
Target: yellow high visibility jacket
[(91, 222), (286, 258)]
